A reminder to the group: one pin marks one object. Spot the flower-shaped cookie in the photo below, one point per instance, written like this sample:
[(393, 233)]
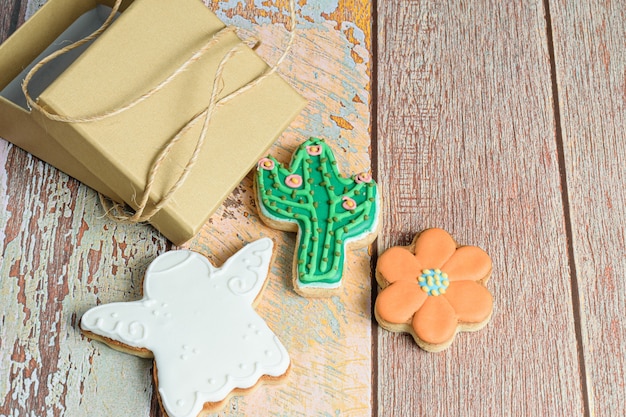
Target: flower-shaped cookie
[(433, 288)]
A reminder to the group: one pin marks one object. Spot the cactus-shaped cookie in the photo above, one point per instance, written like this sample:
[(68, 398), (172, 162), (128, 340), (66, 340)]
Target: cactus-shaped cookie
[(330, 212)]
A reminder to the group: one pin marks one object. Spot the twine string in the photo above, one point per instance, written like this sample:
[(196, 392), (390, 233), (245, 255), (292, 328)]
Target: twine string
[(116, 210), (119, 211), (29, 100)]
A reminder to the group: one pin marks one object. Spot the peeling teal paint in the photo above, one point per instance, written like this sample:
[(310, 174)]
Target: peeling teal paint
[(308, 15)]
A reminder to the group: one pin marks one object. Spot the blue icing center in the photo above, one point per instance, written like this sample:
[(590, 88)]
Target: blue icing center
[(433, 281)]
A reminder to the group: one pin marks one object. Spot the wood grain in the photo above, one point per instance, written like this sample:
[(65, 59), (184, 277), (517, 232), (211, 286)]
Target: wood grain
[(61, 257), (11, 17), (590, 56), (466, 142)]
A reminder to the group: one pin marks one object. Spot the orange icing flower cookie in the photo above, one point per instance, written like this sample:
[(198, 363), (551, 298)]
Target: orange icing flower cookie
[(433, 289)]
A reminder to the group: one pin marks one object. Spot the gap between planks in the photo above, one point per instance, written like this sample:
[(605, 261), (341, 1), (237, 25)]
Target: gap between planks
[(567, 215), (374, 162)]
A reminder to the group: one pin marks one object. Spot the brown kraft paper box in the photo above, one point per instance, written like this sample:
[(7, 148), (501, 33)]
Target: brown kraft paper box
[(149, 41)]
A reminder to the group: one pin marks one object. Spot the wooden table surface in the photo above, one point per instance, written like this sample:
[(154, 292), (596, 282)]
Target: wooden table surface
[(498, 121)]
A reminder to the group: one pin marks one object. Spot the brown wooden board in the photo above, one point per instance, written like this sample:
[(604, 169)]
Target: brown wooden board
[(590, 56), (466, 141)]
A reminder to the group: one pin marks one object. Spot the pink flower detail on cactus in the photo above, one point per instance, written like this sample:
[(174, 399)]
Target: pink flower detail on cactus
[(266, 164), (293, 181), (314, 150), (348, 203), (363, 177)]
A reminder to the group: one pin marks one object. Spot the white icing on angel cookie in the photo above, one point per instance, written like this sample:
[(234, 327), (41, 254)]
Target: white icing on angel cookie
[(199, 323)]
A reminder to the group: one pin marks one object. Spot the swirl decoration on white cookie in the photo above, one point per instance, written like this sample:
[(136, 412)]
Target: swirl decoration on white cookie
[(199, 323)]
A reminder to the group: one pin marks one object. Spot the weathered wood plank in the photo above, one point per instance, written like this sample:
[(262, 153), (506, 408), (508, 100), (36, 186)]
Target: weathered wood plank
[(60, 257), (61, 234), (590, 56), (329, 340), (11, 17), (466, 141)]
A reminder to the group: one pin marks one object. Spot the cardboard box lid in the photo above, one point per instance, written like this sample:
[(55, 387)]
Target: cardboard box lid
[(146, 44), (16, 53)]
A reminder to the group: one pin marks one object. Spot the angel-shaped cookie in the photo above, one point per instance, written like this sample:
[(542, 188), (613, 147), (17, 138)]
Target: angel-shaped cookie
[(199, 325)]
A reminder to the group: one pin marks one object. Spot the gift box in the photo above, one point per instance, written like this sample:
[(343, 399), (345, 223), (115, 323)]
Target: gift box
[(148, 42)]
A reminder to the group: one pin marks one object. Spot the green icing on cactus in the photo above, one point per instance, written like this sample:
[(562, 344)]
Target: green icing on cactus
[(329, 209)]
